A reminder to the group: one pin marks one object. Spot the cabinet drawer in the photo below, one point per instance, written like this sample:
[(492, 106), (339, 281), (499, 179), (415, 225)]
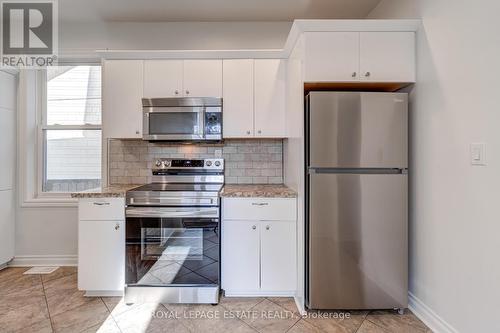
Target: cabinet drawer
[(259, 209), (103, 209)]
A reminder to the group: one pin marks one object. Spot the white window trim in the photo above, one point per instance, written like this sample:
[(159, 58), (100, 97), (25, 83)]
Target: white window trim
[(42, 126), (31, 108)]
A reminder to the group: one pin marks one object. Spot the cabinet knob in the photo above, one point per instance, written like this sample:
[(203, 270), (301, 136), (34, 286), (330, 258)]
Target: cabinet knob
[(259, 131), (176, 92), (187, 92), (248, 132), (354, 74), (367, 74), (254, 227), (268, 227), (137, 132), (117, 226)]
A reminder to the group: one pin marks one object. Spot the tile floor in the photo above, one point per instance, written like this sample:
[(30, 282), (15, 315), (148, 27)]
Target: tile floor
[(52, 303)]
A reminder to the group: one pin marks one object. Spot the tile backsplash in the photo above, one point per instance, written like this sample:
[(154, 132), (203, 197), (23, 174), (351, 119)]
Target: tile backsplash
[(247, 161)]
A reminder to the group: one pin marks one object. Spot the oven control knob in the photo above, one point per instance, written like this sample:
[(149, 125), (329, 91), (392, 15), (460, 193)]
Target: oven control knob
[(158, 163), (208, 163), (167, 163), (217, 163)]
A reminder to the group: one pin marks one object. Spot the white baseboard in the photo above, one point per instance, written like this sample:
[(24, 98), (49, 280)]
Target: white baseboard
[(259, 294), (43, 260), (428, 316), (104, 293), (300, 306)]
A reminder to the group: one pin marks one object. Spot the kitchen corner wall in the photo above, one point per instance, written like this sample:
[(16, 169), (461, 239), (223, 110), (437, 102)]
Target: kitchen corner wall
[(247, 161), (454, 221)]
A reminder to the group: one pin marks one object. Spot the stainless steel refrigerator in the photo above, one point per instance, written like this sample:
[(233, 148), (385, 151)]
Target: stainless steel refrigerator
[(356, 200)]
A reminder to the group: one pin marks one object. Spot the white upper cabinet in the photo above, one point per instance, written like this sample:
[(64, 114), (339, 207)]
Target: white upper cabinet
[(359, 56), (387, 56), (122, 99), (254, 98), (182, 78), (203, 78), (269, 98), (238, 98), (163, 78), (331, 56)]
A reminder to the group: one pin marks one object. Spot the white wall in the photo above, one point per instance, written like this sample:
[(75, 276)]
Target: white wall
[(454, 218), (87, 37), (49, 233)]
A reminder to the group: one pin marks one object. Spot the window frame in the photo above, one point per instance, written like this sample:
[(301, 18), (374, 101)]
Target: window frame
[(42, 127)]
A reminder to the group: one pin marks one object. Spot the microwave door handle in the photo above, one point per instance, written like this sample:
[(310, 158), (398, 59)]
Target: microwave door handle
[(202, 122), (145, 124)]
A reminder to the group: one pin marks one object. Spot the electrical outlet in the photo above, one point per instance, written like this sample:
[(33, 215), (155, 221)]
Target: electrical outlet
[(218, 153), (478, 153)]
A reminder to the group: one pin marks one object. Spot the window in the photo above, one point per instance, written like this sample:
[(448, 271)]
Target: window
[(71, 129)]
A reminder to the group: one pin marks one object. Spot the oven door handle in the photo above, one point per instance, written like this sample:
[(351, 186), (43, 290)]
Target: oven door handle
[(157, 212)]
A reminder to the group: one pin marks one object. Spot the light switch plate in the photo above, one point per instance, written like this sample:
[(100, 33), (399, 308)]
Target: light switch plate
[(478, 153)]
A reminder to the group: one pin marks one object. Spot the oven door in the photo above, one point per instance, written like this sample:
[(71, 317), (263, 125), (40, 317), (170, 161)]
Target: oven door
[(173, 123), (175, 247)]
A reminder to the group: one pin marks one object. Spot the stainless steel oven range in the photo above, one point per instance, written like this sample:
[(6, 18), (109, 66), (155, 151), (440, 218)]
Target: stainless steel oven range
[(173, 234)]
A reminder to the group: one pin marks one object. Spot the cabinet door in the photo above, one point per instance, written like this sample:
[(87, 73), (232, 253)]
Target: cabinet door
[(163, 78), (7, 218), (101, 255), (7, 148), (387, 56), (240, 256), (122, 99), (203, 78), (278, 257), (269, 89), (331, 56), (238, 98)]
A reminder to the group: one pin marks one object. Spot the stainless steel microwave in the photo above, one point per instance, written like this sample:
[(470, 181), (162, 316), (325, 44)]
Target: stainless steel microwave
[(182, 119)]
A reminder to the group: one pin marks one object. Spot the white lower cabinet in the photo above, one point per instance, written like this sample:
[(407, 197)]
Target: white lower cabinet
[(101, 246), (277, 251), (258, 255), (241, 257)]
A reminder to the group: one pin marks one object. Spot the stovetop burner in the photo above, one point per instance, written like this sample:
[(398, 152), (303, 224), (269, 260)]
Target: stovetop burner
[(181, 182)]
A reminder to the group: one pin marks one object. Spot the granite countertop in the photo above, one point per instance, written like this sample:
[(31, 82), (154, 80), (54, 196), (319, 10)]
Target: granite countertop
[(257, 191), (113, 191)]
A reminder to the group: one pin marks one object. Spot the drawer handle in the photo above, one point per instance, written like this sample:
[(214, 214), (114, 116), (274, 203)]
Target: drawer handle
[(268, 227), (260, 204), (101, 203), (117, 226)]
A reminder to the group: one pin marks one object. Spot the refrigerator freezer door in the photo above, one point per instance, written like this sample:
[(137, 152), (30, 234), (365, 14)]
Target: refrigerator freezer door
[(357, 130), (357, 241)]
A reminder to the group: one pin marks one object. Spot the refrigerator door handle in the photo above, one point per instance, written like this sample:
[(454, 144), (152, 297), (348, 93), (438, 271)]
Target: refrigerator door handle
[(367, 171)]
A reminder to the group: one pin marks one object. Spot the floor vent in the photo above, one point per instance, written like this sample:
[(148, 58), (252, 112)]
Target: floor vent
[(41, 270)]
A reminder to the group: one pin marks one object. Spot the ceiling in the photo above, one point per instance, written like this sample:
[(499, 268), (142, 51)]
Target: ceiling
[(212, 10)]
